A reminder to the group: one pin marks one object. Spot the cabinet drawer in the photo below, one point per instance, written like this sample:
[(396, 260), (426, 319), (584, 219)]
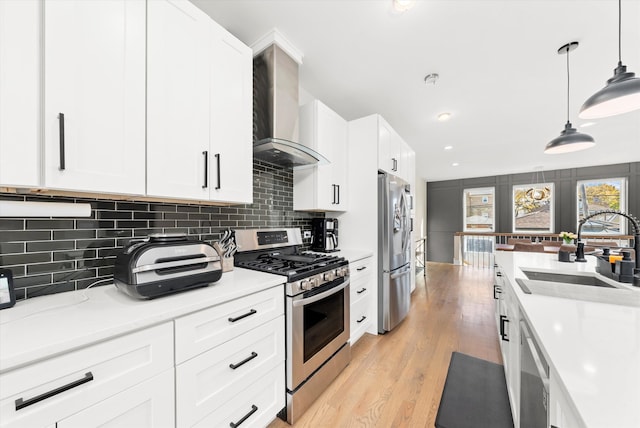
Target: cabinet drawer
[(360, 318), (205, 382), (149, 404), (360, 289), (97, 371), (201, 331), (259, 403), (361, 269)]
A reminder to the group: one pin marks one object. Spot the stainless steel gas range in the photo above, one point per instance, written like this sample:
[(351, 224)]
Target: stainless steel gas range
[(317, 310)]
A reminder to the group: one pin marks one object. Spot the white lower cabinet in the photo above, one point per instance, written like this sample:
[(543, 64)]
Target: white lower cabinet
[(149, 404), (562, 414), (362, 302), (208, 382), (50, 391), (508, 324), (206, 329), (254, 407), (223, 353)]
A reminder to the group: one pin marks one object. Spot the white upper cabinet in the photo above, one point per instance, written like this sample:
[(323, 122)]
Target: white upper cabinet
[(19, 92), (322, 187), (198, 107), (178, 70), (394, 155), (231, 119), (388, 147), (94, 95)]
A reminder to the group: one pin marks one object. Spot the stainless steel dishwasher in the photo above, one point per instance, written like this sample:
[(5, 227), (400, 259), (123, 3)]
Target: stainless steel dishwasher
[(534, 382)]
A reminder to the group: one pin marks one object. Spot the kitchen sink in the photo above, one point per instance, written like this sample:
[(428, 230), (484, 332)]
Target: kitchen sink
[(566, 278), (587, 287)]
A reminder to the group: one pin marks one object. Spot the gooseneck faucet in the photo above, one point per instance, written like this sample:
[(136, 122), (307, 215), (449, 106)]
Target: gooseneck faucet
[(636, 236)]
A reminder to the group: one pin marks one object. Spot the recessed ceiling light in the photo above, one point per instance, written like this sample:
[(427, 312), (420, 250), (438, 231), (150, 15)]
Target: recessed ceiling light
[(448, 147), (587, 124), (403, 5), (431, 79), (444, 116), (455, 164)]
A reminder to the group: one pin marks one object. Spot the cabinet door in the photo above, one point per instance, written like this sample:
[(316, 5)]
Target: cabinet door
[(385, 147), (146, 405), (178, 78), (323, 187), (94, 84), (332, 138), (231, 119), (19, 92)]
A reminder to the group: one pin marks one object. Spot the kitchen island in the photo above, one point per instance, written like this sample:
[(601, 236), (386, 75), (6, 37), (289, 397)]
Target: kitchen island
[(592, 348)]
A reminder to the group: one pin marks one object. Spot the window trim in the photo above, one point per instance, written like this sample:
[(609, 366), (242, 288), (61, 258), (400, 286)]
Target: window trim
[(552, 218), (492, 189), (624, 194)]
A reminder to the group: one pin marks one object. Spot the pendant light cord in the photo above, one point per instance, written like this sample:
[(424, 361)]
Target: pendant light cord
[(619, 31), (568, 83)]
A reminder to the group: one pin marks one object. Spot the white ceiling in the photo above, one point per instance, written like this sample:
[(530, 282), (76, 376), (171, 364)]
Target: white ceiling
[(500, 74)]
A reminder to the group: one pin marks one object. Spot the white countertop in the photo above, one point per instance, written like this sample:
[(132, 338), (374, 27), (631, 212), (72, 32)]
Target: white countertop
[(42, 327), (354, 254), (593, 347)]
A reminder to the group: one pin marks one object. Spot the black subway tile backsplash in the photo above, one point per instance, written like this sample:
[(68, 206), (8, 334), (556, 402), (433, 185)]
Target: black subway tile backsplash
[(51, 255)]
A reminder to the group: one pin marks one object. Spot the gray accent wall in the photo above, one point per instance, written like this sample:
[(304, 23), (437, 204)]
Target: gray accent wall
[(444, 201)]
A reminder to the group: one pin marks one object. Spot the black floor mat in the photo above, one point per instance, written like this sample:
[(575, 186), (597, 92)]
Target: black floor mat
[(474, 395)]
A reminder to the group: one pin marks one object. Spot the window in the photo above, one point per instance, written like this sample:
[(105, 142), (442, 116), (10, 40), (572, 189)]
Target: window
[(533, 208), (479, 209), (602, 194)]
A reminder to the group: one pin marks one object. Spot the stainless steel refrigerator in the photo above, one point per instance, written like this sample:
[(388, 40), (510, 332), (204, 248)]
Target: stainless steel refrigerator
[(394, 251)]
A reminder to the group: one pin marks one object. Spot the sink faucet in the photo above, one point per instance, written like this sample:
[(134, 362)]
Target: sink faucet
[(636, 236)]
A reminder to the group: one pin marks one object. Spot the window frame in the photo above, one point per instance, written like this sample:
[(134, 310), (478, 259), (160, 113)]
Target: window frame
[(551, 186), (624, 189), (492, 190)]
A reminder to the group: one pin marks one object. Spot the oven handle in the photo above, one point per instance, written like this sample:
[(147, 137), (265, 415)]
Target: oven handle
[(320, 296)]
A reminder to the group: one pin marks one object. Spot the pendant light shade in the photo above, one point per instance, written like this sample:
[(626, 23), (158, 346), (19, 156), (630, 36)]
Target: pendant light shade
[(622, 92), (569, 140), (621, 95)]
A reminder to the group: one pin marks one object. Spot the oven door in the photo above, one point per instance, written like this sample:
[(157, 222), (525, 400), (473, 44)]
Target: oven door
[(317, 327)]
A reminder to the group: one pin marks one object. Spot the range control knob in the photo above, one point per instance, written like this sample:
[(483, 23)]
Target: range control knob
[(305, 285), (329, 276)]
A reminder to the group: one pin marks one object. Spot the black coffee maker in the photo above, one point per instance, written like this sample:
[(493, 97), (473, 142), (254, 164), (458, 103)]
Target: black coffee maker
[(324, 235)]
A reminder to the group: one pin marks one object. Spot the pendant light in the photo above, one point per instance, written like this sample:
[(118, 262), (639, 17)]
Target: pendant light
[(622, 92), (569, 140)]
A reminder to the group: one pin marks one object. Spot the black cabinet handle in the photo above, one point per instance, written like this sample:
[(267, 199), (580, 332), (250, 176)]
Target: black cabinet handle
[(496, 290), (22, 403), (206, 169), (245, 361), (334, 194), (361, 291), (361, 268), (338, 186), (254, 409), (361, 319), (498, 273), (238, 318), (218, 164), (61, 130), (503, 333)]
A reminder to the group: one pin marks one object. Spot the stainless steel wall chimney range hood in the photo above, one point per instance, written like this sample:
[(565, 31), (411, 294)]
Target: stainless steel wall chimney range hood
[(275, 111)]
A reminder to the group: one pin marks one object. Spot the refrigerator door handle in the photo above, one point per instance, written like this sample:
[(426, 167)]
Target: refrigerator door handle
[(401, 272)]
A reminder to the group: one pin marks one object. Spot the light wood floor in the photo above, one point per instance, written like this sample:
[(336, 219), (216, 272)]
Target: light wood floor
[(396, 380)]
